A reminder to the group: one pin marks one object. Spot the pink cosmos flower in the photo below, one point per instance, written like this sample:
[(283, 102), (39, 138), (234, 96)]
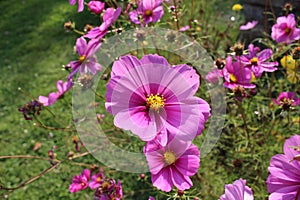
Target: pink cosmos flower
[(286, 100), (249, 25), (96, 6), (87, 60), (173, 164), (150, 97), (237, 191), (213, 76), (62, 88), (285, 31), (185, 28), (284, 179), (97, 180), (109, 190), (236, 74), (147, 11), (80, 182), (109, 17), (257, 61), (80, 4)]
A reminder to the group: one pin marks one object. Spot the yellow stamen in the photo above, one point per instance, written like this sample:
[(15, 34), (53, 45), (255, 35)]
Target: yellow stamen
[(169, 157), (98, 179), (287, 30), (233, 78), (82, 58), (155, 102), (254, 61), (148, 13)]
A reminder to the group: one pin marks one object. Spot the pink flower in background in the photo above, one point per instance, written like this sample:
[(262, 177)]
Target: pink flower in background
[(80, 182), (109, 190), (286, 100), (87, 61), (249, 25), (96, 6), (257, 61), (185, 28), (147, 11), (284, 179), (150, 97), (80, 4), (62, 88), (236, 74), (237, 191), (173, 165), (213, 76), (285, 31), (97, 180), (109, 17)]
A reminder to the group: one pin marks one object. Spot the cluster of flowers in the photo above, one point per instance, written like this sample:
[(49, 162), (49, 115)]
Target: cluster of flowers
[(157, 102), (106, 188), (240, 71)]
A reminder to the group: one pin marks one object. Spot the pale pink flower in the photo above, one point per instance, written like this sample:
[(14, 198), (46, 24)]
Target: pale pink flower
[(249, 25)]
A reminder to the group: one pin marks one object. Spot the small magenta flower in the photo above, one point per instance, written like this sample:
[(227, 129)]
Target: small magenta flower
[(285, 31), (284, 180), (96, 6), (237, 191), (249, 25), (109, 190), (80, 182), (30, 109), (109, 17), (97, 180), (257, 61), (151, 97), (87, 61), (286, 100), (80, 4), (185, 28), (173, 164), (236, 75), (62, 88), (213, 76), (147, 11)]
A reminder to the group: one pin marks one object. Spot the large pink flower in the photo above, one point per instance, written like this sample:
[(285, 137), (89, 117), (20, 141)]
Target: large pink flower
[(237, 191), (149, 97), (236, 74), (80, 182), (257, 61), (80, 4), (147, 11), (109, 17), (62, 88), (285, 31), (284, 179), (87, 61), (173, 164)]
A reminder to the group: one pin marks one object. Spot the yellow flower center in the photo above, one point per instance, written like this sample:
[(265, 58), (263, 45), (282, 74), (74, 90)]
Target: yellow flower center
[(287, 30), (82, 58), (98, 179), (155, 102), (233, 78), (254, 61), (148, 13), (169, 157)]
